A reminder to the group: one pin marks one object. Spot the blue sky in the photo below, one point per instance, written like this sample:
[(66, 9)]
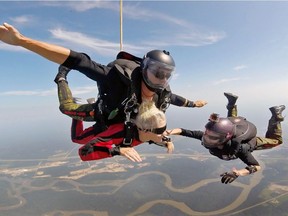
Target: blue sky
[(234, 46)]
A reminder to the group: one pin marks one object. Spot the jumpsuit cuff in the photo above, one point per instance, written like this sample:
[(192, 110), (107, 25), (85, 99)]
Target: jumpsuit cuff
[(114, 151), (190, 104)]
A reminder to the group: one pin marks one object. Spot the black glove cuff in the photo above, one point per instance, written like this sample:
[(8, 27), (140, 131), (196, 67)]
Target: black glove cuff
[(115, 151), (190, 104), (251, 169)]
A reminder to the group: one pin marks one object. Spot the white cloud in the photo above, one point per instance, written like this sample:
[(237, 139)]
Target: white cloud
[(239, 67), (191, 34), (29, 93), (103, 47), (75, 91), (85, 90), (228, 80), (22, 19), (82, 6), (8, 47)]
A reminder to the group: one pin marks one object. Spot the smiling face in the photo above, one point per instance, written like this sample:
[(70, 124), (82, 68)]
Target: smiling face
[(151, 122), (154, 134)]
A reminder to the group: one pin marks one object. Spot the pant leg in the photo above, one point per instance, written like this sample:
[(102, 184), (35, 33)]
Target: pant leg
[(273, 136), (232, 111), (84, 112), (274, 130)]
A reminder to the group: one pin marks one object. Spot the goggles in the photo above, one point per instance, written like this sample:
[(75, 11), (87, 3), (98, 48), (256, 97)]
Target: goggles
[(155, 130), (157, 74), (160, 72)]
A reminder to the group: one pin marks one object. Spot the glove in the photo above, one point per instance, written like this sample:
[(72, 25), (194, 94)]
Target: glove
[(228, 177)]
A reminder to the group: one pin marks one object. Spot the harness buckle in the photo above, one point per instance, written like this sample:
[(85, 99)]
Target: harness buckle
[(128, 133)]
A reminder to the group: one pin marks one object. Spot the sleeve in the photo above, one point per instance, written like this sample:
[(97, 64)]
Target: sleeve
[(83, 63), (248, 158), (101, 145), (78, 134), (180, 101), (88, 153), (192, 134)]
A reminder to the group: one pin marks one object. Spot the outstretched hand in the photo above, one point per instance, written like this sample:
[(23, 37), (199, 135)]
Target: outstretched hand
[(170, 147), (130, 153), (199, 103), (9, 34), (228, 177)]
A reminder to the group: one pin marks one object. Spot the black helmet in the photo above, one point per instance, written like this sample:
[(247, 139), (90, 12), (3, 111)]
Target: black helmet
[(157, 69), (218, 131)]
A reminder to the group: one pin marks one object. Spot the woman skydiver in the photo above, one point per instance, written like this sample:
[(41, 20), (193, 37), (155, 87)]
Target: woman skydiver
[(149, 126)]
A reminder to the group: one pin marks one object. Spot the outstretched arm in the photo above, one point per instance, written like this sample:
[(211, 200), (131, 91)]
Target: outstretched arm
[(247, 171), (196, 134), (252, 167), (229, 177), (180, 101), (54, 53)]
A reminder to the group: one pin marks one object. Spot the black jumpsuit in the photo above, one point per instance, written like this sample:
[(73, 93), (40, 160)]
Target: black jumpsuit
[(113, 84)]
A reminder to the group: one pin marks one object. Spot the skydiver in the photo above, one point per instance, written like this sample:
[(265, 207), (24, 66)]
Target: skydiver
[(147, 80), (149, 125), (235, 137)]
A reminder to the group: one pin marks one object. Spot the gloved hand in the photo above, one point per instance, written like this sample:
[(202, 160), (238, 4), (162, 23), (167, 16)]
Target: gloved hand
[(228, 177)]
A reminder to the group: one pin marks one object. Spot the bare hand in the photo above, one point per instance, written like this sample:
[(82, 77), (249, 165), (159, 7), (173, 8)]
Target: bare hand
[(130, 153), (200, 103), (9, 34), (170, 147)]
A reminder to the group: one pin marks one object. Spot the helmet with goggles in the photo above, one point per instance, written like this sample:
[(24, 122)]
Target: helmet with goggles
[(218, 131), (157, 68)]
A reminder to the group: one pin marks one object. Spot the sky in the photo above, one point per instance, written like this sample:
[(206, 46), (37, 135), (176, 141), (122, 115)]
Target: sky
[(218, 46)]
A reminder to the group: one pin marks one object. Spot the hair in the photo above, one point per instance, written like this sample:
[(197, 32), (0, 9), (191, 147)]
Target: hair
[(149, 115)]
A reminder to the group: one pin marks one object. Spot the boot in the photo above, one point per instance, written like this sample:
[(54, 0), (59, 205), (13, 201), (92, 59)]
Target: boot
[(231, 107), (231, 99), (62, 73), (277, 112)]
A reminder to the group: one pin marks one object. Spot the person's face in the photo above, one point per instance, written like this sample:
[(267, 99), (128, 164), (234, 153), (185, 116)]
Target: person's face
[(156, 134), (159, 77), (212, 139)]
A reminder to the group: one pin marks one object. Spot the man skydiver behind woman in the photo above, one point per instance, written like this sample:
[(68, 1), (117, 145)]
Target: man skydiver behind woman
[(125, 78)]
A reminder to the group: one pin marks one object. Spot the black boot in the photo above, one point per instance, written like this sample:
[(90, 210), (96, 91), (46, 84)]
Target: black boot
[(62, 73), (277, 112), (231, 99)]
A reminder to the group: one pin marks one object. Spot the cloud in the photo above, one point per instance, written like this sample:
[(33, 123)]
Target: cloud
[(22, 19), (76, 91), (239, 67), (102, 47), (191, 34), (184, 33), (228, 80), (82, 6), (84, 90), (29, 93), (8, 47)]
